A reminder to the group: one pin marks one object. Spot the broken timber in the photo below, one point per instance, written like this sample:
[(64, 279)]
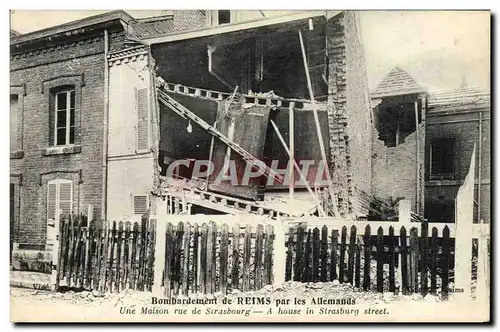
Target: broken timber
[(231, 205), (185, 113)]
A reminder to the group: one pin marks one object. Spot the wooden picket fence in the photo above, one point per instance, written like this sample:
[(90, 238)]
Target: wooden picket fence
[(210, 258), (375, 256), (107, 258)]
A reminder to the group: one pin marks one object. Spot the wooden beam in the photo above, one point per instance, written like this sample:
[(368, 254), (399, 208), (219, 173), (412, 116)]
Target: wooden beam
[(417, 167), (320, 209), (316, 121), (291, 138)]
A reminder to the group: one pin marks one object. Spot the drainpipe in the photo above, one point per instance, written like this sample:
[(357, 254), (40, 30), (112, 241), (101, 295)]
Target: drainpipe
[(105, 129), (479, 167)]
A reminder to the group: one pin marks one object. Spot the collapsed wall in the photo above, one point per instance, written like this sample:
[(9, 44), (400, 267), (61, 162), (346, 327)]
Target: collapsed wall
[(393, 168)]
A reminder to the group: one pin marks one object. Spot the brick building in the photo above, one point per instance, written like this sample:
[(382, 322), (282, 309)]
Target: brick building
[(423, 143), (86, 128), (58, 117)]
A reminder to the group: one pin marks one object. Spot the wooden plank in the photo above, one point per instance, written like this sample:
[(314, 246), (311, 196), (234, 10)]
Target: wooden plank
[(315, 255), (89, 246), (367, 258), (424, 258), (210, 262), (152, 252), (177, 266), (246, 258), (62, 259), (134, 268), (357, 266), (392, 258), (289, 255), (126, 257), (195, 278), (214, 276), (446, 263), (414, 260), (380, 262), (235, 256), (268, 254), (324, 254), (342, 254), (333, 255), (112, 255), (352, 246), (81, 257), (299, 257), (167, 284), (404, 262), (307, 273), (119, 257), (71, 238), (434, 252), (104, 259), (258, 258), (185, 259), (224, 247), (203, 260)]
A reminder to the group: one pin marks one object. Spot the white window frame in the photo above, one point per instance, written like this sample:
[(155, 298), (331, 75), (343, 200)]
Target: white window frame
[(58, 183), (68, 115)]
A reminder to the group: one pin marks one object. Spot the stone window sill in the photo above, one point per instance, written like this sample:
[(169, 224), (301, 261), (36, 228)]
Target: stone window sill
[(58, 150), (17, 154)]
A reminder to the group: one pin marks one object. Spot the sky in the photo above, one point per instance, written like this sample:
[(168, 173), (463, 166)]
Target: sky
[(439, 49)]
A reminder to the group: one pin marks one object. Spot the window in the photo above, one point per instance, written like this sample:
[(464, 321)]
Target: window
[(64, 124), (224, 16), (142, 119), (59, 196), (442, 154), (140, 204), (14, 122)]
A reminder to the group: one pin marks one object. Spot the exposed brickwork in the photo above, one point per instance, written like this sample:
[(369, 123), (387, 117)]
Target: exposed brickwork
[(79, 62), (394, 169), (349, 111), (465, 134)]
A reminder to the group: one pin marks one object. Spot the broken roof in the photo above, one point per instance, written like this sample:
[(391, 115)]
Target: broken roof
[(232, 27), (459, 97), (397, 82)]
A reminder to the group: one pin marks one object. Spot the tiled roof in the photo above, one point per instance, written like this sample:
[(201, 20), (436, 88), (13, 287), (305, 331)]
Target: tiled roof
[(14, 33), (397, 82), (458, 97)]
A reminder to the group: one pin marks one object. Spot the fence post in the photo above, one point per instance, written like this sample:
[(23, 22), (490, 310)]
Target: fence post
[(90, 213), (404, 209), (159, 263), (279, 252), (55, 250), (464, 205), (483, 282)]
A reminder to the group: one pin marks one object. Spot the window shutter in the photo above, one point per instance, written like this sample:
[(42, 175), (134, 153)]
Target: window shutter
[(142, 120), (140, 204), (66, 196), (14, 121), (51, 199)]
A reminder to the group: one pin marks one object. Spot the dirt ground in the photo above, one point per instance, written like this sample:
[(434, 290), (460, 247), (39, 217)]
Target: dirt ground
[(33, 305)]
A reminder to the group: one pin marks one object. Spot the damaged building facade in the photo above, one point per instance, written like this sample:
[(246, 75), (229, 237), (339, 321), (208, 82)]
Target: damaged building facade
[(226, 93), (101, 107), (423, 143)]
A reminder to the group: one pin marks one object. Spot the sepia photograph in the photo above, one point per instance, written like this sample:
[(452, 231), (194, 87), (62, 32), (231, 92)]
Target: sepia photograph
[(250, 166)]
